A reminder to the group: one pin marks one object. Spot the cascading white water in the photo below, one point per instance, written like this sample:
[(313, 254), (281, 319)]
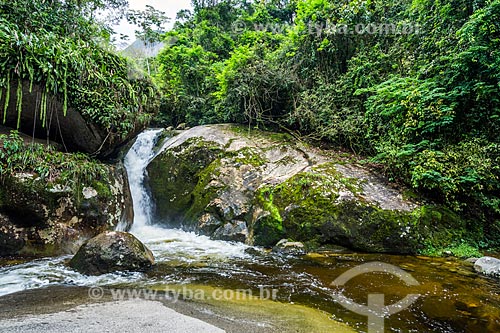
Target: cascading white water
[(169, 246), (136, 161), (165, 243)]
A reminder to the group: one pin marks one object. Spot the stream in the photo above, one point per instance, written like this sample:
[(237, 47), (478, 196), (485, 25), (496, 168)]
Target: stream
[(452, 298)]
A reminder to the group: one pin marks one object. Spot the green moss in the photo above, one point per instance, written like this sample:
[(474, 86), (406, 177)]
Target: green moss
[(354, 185), (51, 167), (265, 197), (246, 156), (178, 178), (461, 250), (203, 194), (268, 229), (307, 208), (103, 190)]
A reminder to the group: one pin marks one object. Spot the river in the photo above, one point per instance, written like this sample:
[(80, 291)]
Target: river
[(451, 297)]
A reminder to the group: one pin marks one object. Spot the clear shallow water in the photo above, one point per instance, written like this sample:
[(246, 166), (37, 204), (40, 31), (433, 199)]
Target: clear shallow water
[(454, 299)]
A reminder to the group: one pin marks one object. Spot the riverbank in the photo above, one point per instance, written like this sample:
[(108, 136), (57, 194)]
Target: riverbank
[(135, 315), (70, 309)]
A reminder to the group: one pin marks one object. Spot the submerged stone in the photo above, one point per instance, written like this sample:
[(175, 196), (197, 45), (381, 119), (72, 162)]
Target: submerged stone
[(112, 251)]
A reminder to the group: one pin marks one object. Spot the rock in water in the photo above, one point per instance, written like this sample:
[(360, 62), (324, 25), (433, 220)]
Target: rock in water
[(260, 187), (112, 251), (287, 247), (488, 266)]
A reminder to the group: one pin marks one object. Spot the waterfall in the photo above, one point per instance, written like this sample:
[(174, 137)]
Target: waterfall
[(164, 242), (136, 162)]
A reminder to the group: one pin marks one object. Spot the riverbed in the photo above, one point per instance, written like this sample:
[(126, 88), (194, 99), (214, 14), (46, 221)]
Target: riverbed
[(222, 282)]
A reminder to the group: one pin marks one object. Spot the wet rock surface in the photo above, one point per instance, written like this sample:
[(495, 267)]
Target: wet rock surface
[(259, 187), (42, 219), (284, 246), (112, 251), (488, 266)]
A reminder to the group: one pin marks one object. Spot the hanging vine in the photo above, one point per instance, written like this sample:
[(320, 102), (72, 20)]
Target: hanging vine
[(80, 74)]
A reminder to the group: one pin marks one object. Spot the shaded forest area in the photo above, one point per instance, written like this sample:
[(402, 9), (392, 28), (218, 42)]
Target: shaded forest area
[(412, 85)]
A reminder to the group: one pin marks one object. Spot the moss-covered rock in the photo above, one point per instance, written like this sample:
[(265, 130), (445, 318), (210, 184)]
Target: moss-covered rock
[(51, 219), (217, 179), (51, 202), (112, 251), (11, 239), (178, 178)]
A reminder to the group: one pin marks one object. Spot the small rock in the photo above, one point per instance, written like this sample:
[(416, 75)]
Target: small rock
[(181, 127), (208, 224), (89, 193), (285, 246), (235, 231), (112, 251), (253, 251), (169, 128), (488, 266)]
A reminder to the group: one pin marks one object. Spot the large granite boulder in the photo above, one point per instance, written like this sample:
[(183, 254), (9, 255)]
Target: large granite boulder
[(259, 187), (43, 218), (76, 131), (112, 251)]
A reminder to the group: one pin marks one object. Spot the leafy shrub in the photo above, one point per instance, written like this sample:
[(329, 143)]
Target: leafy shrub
[(70, 65), (74, 171)]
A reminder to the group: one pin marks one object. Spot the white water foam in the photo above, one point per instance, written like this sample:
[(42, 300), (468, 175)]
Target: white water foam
[(179, 245), (166, 243), (53, 271), (170, 246), (136, 162)]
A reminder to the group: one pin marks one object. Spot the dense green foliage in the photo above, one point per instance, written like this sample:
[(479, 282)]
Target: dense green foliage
[(420, 96), (69, 172), (59, 47)]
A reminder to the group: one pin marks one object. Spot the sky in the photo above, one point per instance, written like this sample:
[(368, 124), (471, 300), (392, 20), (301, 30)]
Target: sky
[(170, 7)]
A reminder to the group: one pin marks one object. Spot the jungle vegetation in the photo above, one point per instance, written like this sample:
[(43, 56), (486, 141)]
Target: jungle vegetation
[(64, 47), (412, 85), (61, 50)]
